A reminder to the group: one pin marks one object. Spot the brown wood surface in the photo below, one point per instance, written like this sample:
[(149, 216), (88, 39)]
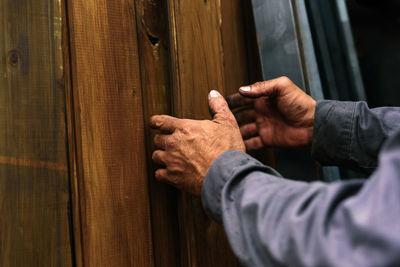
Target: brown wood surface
[(34, 189), (79, 81), (208, 52), (76, 228), (152, 21), (108, 126), (234, 43)]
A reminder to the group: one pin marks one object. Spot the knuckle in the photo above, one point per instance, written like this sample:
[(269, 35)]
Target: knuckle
[(186, 127), (221, 106), (187, 130), (175, 168), (258, 85), (176, 181), (154, 156), (156, 139), (284, 81), (161, 121), (154, 121), (160, 141), (172, 143), (160, 175)]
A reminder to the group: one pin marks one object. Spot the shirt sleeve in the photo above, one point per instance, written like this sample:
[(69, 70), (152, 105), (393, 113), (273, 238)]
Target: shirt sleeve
[(271, 221), (349, 134)]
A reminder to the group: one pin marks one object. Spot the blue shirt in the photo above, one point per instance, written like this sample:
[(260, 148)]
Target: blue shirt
[(272, 221)]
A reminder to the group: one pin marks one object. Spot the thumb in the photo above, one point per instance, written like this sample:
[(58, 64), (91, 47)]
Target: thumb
[(267, 88), (218, 106)]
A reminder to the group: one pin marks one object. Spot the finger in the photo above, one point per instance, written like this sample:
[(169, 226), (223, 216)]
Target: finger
[(254, 143), (249, 130), (161, 140), (164, 123), (165, 176), (219, 107), (266, 88), (245, 116), (161, 175), (159, 157), (237, 101)]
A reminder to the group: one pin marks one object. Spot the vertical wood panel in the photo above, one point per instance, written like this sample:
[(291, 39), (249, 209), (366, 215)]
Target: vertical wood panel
[(76, 229), (234, 45), (108, 118), (34, 189), (197, 53), (152, 21)]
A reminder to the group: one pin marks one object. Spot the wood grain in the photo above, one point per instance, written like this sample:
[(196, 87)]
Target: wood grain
[(234, 44), (75, 212), (152, 21), (34, 188), (109, 134), (197, 54), (200, 64)]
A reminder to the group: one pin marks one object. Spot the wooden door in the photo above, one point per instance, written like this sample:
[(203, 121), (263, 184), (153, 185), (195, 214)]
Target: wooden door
[(79, 80), (35, 225)]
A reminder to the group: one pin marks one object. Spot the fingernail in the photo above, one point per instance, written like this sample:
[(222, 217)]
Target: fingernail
[(245, 88), (213, 94)]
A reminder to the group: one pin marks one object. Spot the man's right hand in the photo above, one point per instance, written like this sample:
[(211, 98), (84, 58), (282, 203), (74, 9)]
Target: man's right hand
[(274, 113)]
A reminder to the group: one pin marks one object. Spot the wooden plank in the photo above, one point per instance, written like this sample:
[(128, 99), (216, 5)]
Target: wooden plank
[(108, 125), (197, 67), (153, 36), (76, 228), (34, 189), (233, 35), (197, 55)]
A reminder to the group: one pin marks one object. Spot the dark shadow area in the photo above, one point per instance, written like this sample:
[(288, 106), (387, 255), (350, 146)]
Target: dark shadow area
[(376, 31)]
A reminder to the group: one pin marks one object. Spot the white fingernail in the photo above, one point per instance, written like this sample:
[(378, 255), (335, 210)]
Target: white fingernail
[(245, 89), (213, 94)]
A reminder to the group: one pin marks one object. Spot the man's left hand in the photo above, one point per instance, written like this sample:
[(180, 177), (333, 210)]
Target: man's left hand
[(187, 148)]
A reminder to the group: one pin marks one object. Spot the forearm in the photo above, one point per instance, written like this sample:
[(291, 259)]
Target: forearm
[(350, 134), (269, 221), (274, 221)]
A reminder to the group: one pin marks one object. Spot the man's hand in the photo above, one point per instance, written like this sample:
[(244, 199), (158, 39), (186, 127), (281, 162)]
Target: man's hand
[(187, 148), (274, 113)]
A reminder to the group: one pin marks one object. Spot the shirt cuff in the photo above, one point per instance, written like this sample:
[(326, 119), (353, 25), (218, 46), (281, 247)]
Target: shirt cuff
[(226, 167), (332, 135)]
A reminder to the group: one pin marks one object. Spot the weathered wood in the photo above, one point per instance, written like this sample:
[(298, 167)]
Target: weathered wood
[(197, 54), (108, 127), (34, 189), (152, 20), (234, 40), (76, 228)]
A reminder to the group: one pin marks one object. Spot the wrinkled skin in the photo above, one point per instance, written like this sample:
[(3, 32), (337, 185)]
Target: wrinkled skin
[(274, 113), (271, 113), (187, 148)]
